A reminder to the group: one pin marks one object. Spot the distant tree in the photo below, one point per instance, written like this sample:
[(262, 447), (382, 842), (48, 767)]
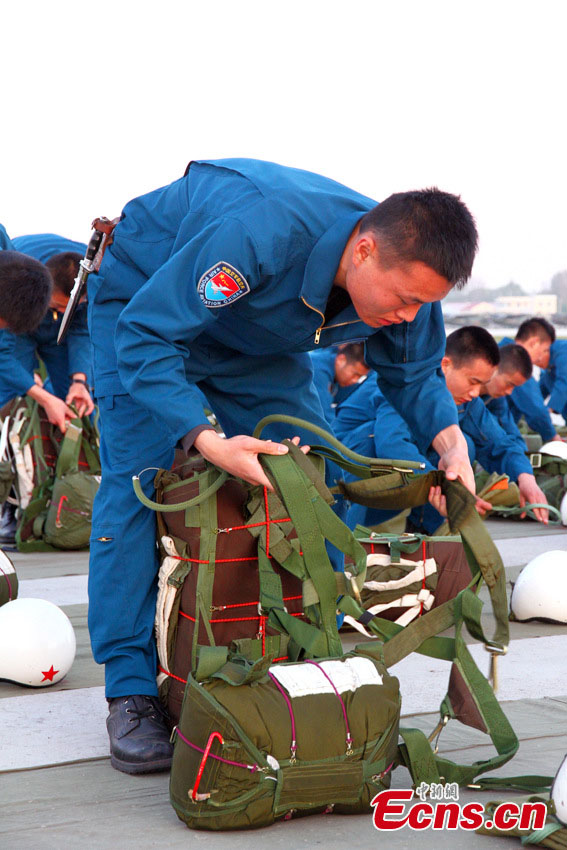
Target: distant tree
[(510, 289), (559, 287)]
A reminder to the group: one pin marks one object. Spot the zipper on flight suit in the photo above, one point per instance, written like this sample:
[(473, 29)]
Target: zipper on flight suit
[(322, 326)]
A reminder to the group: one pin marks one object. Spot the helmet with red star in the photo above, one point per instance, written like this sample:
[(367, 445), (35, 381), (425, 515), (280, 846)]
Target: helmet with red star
[(37, 642)]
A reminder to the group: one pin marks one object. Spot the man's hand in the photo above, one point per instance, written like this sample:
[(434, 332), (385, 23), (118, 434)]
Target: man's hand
[(57, 411), (530, 493), (439, 502), (558, 438), (453, 453), (79, 396), (239, 455)]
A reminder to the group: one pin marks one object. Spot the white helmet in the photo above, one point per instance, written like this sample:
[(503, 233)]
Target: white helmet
[(541, 589), (555, 448), (37, 642), (559, 793)]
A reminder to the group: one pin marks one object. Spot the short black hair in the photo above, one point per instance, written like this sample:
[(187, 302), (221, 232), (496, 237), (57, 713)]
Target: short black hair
[(25, 291), (353, 351), (64, 269), (536, 326), (515, 358), (470, 343), (427, 226)]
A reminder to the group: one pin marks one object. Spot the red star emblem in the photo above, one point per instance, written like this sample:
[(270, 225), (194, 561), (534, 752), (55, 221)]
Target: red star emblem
[(49, 674)]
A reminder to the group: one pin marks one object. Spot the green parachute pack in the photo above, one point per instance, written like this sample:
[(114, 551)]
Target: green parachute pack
[(54, 478)]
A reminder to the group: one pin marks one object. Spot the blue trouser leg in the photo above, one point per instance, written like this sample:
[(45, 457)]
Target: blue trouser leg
[(124, 563)]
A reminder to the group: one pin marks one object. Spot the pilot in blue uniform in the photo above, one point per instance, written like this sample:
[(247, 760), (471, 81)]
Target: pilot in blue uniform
[(535, 335), (225, 280), (366, 422), (336, 371), (514, 370), (553, 380), (68, 366)]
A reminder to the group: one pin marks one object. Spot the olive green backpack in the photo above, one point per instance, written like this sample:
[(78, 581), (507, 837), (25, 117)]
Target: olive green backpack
[(56, 478)]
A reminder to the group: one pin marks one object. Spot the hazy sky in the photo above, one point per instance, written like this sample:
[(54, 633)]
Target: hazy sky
[(105, 101)]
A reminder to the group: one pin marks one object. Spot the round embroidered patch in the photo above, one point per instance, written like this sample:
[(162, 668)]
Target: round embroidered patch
[(221, 285)]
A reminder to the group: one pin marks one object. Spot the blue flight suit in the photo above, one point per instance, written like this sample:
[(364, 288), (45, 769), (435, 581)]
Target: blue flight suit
[(19, 352), (5, 242), (219, 280), (502, 412), (368, 424), (489, 444), (553, 380), (526, 401), (330, 393)]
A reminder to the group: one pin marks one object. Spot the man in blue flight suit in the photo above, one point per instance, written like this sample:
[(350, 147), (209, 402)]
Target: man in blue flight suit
[(366, 421), (535, 335), (225, 280), (553, 380), (514, 369), (335, 373), (68, 366)]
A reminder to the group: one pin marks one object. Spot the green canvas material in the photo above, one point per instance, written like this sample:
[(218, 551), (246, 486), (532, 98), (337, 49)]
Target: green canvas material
[(8, 581), (6, 480), (551, 475), (59, 513), (298, 495), (323, 774), (553, 834)]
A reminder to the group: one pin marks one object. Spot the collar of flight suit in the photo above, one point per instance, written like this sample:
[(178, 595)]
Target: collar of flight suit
[(324, 260)]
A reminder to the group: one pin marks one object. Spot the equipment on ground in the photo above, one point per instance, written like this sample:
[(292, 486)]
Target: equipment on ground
[(555, 448), (268, 742), (37, 643), (289, 527), (540, 592), (559, 792), (8, 579), (56, 478)]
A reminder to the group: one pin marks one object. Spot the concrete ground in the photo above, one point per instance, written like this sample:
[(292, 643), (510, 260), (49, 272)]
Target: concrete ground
[(58, 790)]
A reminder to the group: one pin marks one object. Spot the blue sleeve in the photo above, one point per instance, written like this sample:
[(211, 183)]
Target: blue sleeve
[(495, 449), (501, 411), (558, 397), (407, 358), (79, 345), (393, 438), (16, 378), (323, 375), (527, 401), (155, 330)]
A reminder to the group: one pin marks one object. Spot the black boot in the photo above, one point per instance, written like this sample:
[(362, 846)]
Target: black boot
[(139, 737)]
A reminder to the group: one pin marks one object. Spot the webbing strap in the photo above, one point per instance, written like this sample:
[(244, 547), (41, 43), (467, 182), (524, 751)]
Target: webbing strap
[(70, 449), (416, 753), (342, 451), (299, 496), (529, 509)]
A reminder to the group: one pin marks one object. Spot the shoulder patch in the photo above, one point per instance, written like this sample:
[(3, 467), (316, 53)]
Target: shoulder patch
[(221, 285)]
